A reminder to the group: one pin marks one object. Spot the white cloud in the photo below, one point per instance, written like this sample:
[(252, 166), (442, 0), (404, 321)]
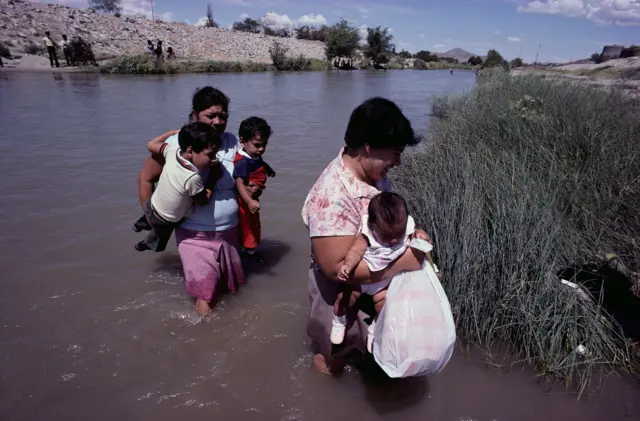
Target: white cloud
[(438, 46), (167, 17), (514, 39), (202, 21), (364, 12), (129, 7), (276, 21), (362, 30), (497, 32), (312, 19), (244, 16), (390, 30), (617, 12), (421, 35)]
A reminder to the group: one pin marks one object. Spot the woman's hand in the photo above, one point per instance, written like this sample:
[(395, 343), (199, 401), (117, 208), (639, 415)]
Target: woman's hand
[(254, 206), (379, 299)]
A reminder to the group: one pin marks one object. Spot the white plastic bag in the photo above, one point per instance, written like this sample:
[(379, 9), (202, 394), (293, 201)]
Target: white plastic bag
[(415, 331)]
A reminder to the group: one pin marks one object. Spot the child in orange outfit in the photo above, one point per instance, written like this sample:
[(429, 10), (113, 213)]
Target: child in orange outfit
[(250, 173)]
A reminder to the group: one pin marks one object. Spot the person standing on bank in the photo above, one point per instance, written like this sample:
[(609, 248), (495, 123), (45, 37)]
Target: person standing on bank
[(66, 49), (51, 49)]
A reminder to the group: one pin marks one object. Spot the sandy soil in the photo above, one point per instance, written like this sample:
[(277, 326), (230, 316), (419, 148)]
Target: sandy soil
[(34, 63)]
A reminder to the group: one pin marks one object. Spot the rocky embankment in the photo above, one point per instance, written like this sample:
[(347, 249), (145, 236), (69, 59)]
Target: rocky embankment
[(23, 23)]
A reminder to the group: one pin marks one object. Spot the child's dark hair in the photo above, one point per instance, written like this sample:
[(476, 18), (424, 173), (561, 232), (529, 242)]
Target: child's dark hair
[(198, 136), (252, 126), (379, 123), (207, 97), (388, 214)]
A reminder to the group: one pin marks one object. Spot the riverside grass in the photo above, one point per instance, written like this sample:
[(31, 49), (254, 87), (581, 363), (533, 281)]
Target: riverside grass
[(146, 64), (520, 178)]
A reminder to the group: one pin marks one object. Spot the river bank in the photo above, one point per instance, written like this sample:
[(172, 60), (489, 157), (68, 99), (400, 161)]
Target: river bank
[(23, 23), (620, 73)]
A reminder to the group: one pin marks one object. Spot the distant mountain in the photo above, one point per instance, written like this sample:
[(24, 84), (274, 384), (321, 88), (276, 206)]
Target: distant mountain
[(457, 53)]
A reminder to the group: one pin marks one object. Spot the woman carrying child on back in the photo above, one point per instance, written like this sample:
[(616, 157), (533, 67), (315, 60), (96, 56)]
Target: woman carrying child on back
[(180, 184)]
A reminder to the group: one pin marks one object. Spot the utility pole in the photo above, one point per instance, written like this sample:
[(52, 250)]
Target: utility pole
[(538, 53), (153, 13)]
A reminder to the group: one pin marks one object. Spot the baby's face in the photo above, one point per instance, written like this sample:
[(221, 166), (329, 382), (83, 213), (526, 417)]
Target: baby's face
[(389, 239)]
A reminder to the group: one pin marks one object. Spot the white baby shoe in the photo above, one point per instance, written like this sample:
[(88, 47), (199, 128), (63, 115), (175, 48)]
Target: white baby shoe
[(338, 328)]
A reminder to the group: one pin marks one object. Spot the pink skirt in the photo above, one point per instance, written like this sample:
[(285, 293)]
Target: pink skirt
[(208, 260)]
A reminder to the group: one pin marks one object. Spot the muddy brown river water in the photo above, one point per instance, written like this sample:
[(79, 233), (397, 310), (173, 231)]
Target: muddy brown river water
[(92, 330)]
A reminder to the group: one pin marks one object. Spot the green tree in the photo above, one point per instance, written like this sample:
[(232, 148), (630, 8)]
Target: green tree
[(475, 60), (108, 6), (405, 54), (342, 40), (494, 59), (210, 23), (379, 46), (426, 56), (247, 25), (517, 62), (312, 34)]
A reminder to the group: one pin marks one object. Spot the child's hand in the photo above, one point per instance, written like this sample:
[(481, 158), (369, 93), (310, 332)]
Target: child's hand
[(343, 273), (254, 206), (253, 188), (421, 235)]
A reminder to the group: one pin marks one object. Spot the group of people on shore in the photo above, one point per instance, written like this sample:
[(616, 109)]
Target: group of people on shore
[(51, 47), (75, 51), (208, 189), (157, 52)]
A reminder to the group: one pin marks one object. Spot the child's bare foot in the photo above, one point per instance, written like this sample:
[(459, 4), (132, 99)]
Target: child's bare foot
[(202, 307), (320, 363)]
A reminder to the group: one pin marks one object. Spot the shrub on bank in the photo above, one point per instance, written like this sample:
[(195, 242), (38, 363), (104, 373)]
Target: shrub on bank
[(4, 51), (282, 62), (147, 64), (438, 65), (525, 177)]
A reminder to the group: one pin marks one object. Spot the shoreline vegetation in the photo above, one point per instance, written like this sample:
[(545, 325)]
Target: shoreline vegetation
[(146, 64), (515, 168)]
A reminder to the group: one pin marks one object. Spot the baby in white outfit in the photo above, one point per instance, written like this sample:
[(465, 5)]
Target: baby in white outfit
[(385, 233)]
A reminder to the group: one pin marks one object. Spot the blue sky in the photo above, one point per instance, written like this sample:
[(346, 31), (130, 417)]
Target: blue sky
[(561, 29)]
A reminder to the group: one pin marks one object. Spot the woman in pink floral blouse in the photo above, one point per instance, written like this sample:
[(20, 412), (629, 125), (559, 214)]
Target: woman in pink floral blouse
[(376, 136)]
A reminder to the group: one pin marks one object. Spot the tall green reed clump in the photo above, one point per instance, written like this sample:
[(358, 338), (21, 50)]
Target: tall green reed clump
[(518, 179)]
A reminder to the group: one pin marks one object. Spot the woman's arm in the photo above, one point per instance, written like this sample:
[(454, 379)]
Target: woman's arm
[(155, 144), (149, 174), (243, 191), (330, 253), (206, 194)]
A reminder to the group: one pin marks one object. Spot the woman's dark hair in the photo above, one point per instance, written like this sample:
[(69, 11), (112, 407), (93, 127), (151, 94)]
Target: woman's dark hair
[(388, 214), (379, 123), (207, 97), (198, 136), (250, 127)]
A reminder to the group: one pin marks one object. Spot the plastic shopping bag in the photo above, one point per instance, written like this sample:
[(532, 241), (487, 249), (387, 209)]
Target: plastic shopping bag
[(415, 331)]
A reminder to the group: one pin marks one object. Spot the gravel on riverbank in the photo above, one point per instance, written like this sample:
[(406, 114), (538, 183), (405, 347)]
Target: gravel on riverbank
[(23, 24)]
